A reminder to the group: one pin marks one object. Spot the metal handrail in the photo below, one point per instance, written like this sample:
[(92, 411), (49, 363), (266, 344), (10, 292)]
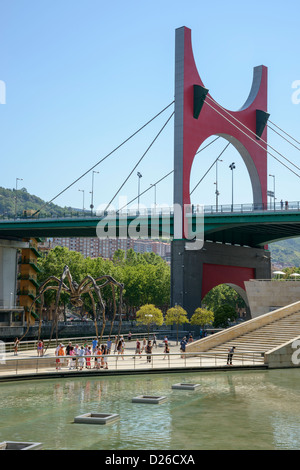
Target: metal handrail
[(40, 365)]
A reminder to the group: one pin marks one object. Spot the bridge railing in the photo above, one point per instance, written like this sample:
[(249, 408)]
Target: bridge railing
[(251, 207), (161, 211)]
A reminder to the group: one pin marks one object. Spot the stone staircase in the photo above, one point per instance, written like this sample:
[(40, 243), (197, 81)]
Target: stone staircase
[(263, 339), (252, 342)]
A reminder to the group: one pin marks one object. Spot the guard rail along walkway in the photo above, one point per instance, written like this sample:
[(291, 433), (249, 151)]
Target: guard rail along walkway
[(276, 334)]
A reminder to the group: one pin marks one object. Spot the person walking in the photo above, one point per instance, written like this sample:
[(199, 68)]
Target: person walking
[(81, 355), (40, 348), (68, 349), (144, 344), (230, 355), (88, 353), (183, 346), (108, 345), (94, 345), (16, 345), (104, 357), (120, 347), (166, 350), (138, 347), (73, 358), (98, 355), (60, 353), (148, 351)]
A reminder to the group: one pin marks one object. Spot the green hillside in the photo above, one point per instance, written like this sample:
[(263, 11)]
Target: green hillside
[(286, 252), (26, 201)]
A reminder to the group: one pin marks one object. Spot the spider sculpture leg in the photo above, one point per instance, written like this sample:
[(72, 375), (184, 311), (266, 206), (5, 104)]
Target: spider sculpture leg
[(85, 287), (94, 312), (110, 280), (97, 291), (42, 289)]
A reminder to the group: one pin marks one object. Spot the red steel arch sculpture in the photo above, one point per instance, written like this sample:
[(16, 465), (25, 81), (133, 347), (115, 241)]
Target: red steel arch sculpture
[(198, 116)]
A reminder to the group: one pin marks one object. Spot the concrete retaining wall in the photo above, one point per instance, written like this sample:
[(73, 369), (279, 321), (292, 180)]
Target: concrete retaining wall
[(267, 295), (287, 355), (236, 331)]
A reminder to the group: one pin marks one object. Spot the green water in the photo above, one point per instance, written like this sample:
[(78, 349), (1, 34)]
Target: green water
[(231, 410)]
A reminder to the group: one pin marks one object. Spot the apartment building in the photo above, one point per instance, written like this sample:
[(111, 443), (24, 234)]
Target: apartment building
[(95, 247)]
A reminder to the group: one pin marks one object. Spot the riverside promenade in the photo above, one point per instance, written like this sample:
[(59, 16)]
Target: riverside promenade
[(28, 365)]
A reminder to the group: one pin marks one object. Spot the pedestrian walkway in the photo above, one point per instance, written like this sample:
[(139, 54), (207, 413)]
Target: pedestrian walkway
[(27, 364)]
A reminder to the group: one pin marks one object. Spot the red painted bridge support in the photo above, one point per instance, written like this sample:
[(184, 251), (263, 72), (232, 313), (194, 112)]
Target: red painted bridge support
[(195, 272), (197, 117)]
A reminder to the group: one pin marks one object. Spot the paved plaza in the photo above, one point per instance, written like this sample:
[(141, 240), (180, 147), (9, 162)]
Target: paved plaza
[(28, 364)]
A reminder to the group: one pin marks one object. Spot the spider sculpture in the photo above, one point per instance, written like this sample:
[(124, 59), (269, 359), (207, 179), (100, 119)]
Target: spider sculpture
[(87, 286)]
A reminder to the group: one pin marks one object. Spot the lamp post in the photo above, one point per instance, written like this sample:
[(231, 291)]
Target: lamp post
[(216, 183), (92, 192), (139, 179), (16, 198), (82, 191), (273, 176), (232, 167)]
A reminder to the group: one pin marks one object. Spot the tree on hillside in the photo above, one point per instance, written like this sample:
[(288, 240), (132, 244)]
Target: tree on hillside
[(176, 315)]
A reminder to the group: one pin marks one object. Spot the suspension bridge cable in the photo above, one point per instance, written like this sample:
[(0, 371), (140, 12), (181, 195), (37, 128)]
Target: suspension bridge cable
[(208, 145), (161, 179), (106, 156), (209, 169), (252, 132), (249, 137), (136, 165), (287, 140), (284, 131), (146, 190)]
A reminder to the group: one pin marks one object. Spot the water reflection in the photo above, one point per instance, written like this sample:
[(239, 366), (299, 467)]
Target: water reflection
[(231, 410)]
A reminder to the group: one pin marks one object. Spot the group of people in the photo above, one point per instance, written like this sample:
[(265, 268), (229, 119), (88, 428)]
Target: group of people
[(145, 345), (78, 357)]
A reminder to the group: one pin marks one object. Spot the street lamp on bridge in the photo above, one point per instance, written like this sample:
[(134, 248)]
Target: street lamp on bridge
[(82, 191), (139, 179), (232, 167), (216, 183), (273, 176), (16, 198), (92, 192)]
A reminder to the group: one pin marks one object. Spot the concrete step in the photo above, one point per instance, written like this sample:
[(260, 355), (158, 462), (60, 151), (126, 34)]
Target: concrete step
[(265, 338)]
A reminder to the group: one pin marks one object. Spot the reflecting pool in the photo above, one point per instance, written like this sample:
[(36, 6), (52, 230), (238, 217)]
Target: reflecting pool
[(230, 410)]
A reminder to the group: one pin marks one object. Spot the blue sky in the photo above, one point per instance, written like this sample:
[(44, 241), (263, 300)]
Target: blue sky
[(81, 77)]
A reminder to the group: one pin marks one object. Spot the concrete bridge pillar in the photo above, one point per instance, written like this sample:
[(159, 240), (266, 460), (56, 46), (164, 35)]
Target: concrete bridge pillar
[(195, 272), (8, 271)]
